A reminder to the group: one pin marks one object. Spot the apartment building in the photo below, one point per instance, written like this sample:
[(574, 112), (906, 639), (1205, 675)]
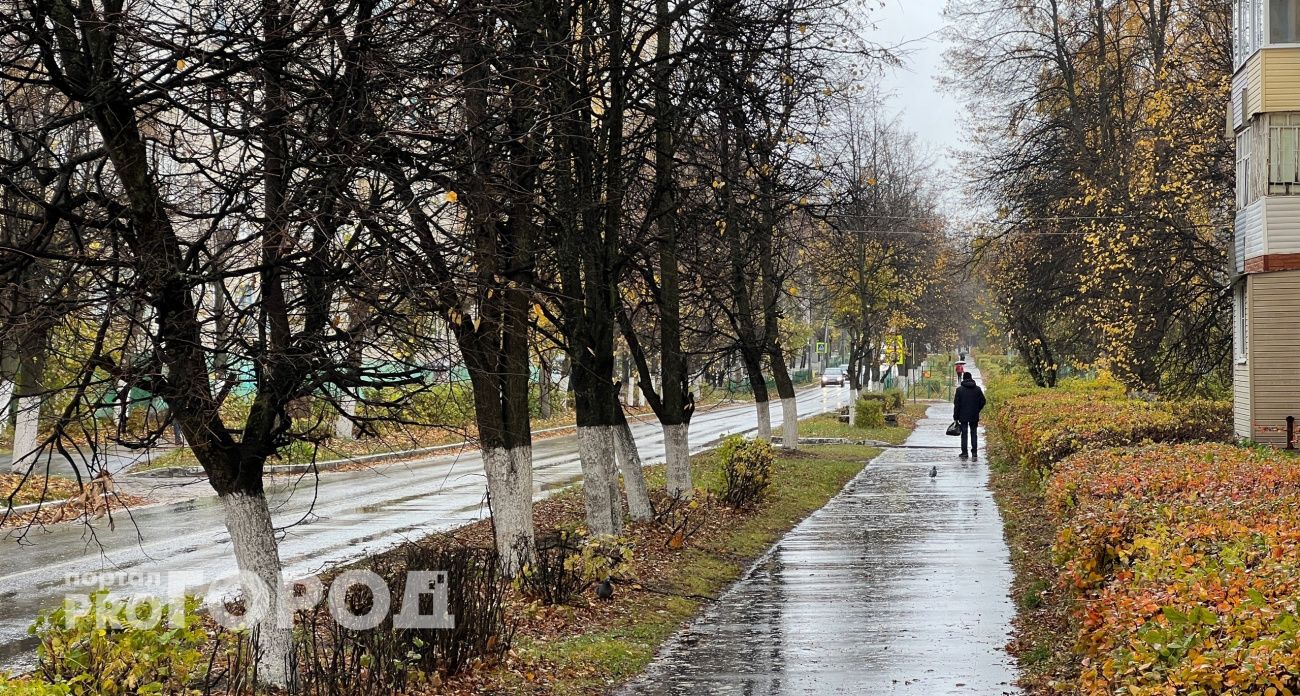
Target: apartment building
[(1265, 120)]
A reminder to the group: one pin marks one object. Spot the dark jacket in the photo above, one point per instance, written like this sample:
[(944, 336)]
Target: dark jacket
[(969, 402)]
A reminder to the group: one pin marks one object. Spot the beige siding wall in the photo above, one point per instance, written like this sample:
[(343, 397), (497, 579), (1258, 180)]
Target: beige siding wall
[(1248, 86), (1274, 342), (1281, 90), (1241, 400), (1241, 416), (1281, 225)]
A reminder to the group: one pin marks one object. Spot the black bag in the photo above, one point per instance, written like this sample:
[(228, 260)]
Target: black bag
[(954, 429)]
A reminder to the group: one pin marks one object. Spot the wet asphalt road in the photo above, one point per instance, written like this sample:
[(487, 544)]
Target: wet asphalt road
[(898, 586), (113, 461), (348, 516)]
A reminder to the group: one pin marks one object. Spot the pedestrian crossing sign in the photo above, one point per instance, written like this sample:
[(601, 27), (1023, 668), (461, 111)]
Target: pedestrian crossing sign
[(895, 350)]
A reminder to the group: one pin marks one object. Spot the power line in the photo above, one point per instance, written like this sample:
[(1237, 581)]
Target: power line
[(1018, 221)]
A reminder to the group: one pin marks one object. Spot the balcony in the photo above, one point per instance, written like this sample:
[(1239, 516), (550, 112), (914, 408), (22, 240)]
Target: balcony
[(1267, 231)]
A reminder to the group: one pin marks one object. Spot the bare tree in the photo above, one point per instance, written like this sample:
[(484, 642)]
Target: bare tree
[(224, 156)]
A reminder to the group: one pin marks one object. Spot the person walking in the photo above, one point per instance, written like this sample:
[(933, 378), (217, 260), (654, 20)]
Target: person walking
[(966, 407)]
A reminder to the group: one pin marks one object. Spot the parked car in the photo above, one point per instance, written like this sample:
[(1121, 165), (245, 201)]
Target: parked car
[(833, 376)]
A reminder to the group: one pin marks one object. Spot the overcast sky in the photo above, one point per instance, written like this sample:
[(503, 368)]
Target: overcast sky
[(934, 115)]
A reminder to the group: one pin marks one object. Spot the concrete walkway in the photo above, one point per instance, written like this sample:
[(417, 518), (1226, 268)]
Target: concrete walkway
[(898, 586)]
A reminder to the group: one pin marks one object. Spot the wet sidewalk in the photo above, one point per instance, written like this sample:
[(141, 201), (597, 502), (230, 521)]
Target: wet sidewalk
[(898, 586)]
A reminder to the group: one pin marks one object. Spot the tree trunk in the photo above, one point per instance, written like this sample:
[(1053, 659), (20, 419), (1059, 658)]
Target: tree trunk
[(629, 463), (677, 449), (510, 485), (497, 355), (790, 423), (597, 415), (754, 369), (123, 407), (506, 446), (857, 357), (6, 395), (600, 479), (874, 367), (248, 520), (544, 386), (671, 400), (789, 404), (495, 345), (8, 371), (764, 411), (349, 392), (26, 434), (344, 427), (590, 178), (30, 394)]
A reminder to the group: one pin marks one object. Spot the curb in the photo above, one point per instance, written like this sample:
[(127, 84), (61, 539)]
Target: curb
[(842, 441), (44, 505)]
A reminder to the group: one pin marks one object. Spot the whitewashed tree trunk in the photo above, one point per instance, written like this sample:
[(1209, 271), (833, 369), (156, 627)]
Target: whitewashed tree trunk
[(344, 428), (6, 394), (248, 519), (510, 487), (853, 406), (123, 405), (764, 410), (27, 432), (600, 480), (629, 463), (790, 423), (677, 447)]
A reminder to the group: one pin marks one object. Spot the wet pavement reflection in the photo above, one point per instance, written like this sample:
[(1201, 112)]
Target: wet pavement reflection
[(898, 586)]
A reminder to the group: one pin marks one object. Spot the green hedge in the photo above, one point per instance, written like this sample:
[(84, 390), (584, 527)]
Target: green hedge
[(870, 412)]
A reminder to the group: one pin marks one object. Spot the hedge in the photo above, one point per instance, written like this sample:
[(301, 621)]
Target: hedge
[(1040, 427), (870, 413), (1183, 554), (1187, 558)]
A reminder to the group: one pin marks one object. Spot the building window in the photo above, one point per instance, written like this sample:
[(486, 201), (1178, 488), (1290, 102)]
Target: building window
[(1283, 21), (1241, 327), (1257, 23), (1249, 28), (1241, 27), (1284, 154)]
